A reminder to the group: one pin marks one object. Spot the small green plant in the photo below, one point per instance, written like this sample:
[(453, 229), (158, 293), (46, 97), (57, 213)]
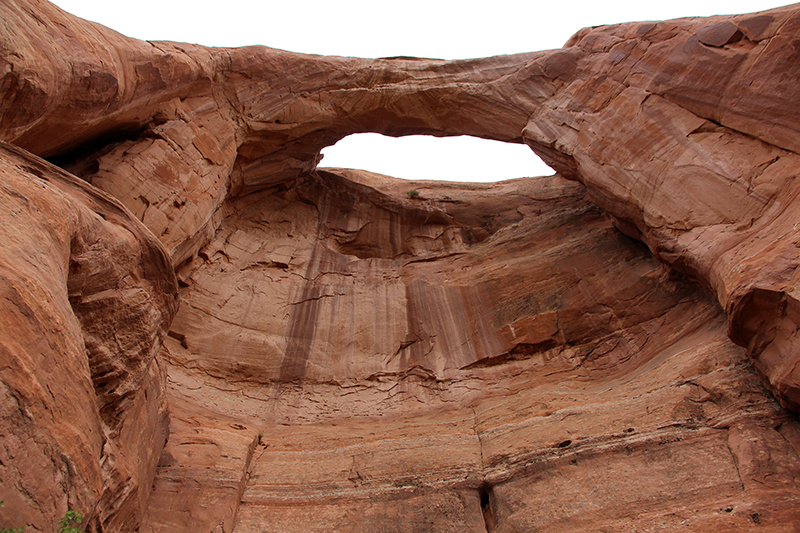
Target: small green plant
[(70, 522), (8, 529), (412, 194)]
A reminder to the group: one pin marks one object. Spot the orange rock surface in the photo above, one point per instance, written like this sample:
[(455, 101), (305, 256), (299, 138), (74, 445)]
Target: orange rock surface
[(88, 296), (610, 348)]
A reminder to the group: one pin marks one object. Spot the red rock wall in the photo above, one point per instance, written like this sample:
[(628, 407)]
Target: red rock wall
[(349, 358), (554, 356), (619, 108), (90, 294)]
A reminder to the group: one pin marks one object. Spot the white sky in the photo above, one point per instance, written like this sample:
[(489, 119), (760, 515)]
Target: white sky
[(424, 28)]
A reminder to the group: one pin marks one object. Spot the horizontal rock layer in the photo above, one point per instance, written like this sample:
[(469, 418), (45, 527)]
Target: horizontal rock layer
[(550, 374), (350, 357)]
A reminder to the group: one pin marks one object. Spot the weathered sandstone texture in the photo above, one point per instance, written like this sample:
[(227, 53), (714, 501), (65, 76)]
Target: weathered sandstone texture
[(611, 348), (88, 294)]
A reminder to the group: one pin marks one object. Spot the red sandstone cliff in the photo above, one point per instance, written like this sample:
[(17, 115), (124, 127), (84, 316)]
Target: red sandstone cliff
[(505, 357)]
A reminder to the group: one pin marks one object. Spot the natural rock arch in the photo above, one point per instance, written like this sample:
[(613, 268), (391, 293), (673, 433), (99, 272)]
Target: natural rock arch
[(669, 128)]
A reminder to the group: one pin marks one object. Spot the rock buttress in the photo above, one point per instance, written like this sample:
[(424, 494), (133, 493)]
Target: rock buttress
[(89, 294)]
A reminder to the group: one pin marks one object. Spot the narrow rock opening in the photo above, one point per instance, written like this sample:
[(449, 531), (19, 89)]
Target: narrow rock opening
[(424, 157), (485, 492)]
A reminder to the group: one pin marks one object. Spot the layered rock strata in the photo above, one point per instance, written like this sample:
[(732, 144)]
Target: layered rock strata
[(530, 368), (349, 358)]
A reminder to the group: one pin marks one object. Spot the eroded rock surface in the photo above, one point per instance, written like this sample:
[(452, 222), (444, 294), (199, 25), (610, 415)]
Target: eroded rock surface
[(531, 369), (88, 295), (689, 143), (505, 357)]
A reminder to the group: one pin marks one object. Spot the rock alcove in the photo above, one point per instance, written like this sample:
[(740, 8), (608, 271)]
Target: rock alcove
[(347, 358)]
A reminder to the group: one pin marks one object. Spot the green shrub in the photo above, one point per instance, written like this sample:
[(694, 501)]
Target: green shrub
[(69, 523), (412, 194)]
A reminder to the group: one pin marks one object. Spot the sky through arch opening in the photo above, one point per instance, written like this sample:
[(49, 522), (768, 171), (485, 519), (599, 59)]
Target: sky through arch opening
[(424, 157)]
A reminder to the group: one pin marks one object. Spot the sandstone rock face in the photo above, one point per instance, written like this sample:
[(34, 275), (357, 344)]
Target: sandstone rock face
[(520, 346), (618, 108), (505, 357), (89, 295)]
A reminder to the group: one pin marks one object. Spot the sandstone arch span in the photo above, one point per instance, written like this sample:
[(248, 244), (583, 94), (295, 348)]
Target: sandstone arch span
[(674, 134)]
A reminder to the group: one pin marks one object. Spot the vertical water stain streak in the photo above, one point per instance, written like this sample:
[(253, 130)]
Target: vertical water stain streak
[(302, 327), (304, 314), (305, 310), (452, 321)]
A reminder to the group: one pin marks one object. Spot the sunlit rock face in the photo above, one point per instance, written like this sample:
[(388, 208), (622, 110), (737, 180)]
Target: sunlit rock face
[(608, 348)]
